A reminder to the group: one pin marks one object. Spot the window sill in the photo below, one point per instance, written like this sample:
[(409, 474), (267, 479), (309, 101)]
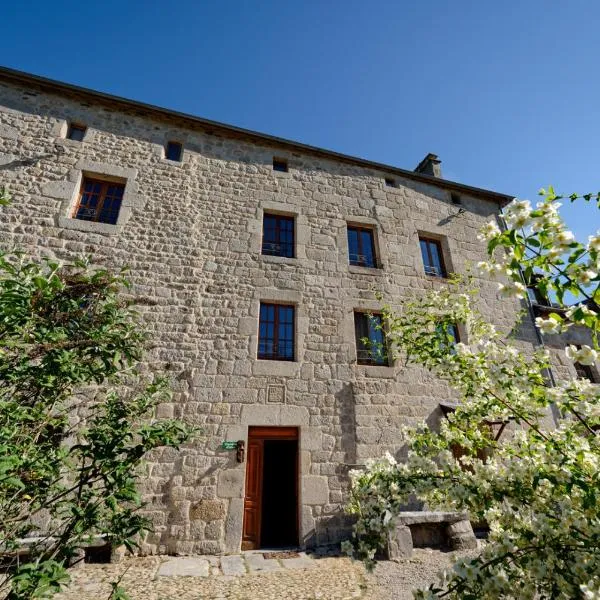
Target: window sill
[(173, 163), (70, 143), (445, 279), (379, 371), (285, 368), (365, 270), (270, 258), (90, 226)]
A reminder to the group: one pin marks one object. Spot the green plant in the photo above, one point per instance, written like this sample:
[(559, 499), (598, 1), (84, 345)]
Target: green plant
[(75, 418)]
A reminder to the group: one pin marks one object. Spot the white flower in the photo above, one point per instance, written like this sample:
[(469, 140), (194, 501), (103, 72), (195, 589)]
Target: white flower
[(547, 326), (513, 289), (584, 277), (518, 213), (594, 242), (488, 231), (579, 307), (564, 238), (585, 355)]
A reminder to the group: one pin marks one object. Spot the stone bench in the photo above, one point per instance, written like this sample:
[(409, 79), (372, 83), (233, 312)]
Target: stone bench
[(455, 527)]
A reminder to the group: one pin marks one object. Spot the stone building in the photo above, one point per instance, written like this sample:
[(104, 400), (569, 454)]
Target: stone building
[(261, 256)]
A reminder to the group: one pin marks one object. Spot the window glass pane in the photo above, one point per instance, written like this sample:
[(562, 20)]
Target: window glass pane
[(100, 201), (173, 151), (353, 245), (76, 132), (435, 255), (276, 332), (361, 247), (431, 252), (425, 254), (368, 327), (278, 236), (367, 248)]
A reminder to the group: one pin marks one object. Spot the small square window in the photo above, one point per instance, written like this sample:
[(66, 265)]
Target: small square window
[(370, 339), (76, 132), (278, 235), (99, 201), (433, 258), (389, 182), (361, 246), (455, 198), (276, 331), (174, 151), (281, 165)]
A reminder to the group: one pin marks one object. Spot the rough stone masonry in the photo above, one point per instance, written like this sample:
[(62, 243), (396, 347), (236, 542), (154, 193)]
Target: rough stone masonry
[(190, 232)]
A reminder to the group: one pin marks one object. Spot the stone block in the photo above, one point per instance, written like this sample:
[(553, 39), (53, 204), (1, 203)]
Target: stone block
[(185, 566), (231, 483), (293, 415), (208, 510), (233, 565), (461, 536), (261, 415), (400, 544), (234, 525), (314, 490)]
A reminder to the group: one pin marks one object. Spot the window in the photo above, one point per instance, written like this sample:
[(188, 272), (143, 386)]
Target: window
[(370, 339), (174, 151), (361, 246), (452, 336), (278, 235), (433, 261), (76, 132), (452, 331), (455, 198), (276, 332), (99, 201), (389, 182), (279, 164)]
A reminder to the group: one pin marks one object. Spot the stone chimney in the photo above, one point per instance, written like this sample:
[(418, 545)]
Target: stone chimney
[(430, 165)]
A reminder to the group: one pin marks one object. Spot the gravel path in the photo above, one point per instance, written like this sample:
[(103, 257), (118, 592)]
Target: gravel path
[(304, 578), (395, 580)]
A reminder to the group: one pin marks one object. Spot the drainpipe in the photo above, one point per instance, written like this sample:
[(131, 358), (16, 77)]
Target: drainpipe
[(538, 334)]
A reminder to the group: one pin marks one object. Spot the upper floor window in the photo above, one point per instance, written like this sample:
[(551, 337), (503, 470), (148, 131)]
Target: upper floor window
[(370, 339), (455, 198), (279, 164), (433, 259), (278, 235), (276, 331), (99, 201), (361, 246), (174, 151), (390, 182), (76, 132)]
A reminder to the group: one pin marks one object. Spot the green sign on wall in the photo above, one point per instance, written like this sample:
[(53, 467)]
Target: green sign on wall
[(226, 445)]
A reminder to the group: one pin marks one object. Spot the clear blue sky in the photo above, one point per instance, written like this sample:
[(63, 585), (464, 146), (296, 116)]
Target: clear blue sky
[(506, 93)]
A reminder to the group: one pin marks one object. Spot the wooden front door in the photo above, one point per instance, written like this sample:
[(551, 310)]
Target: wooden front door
[(255, 521)]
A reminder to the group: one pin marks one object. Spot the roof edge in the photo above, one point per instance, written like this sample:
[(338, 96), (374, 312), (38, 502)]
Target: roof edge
[(54, 86)]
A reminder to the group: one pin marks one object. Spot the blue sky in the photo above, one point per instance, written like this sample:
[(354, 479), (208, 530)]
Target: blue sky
[(506, 93)]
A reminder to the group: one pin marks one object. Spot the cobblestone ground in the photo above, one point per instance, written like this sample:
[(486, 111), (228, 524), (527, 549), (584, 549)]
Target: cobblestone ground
[(252, 576)]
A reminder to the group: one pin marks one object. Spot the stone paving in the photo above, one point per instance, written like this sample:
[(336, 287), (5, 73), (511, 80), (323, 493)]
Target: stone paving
[(251, 576), (236, 577)]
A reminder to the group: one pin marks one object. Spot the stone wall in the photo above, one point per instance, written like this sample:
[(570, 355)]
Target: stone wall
[(190, 233)]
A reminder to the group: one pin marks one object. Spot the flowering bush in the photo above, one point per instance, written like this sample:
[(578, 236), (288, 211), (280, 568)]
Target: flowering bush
[(538, 487)]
